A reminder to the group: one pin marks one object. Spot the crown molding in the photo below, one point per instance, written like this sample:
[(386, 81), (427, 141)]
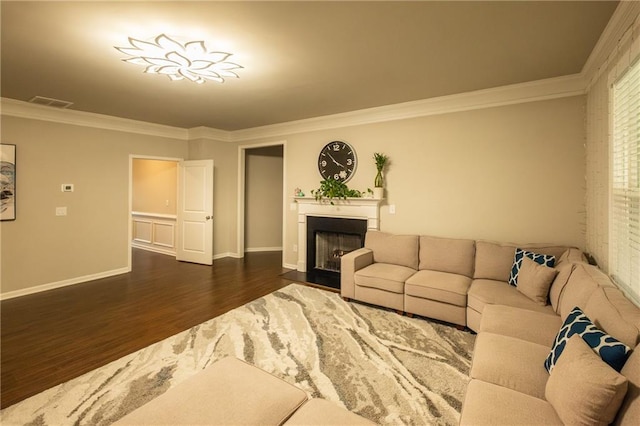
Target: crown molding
[(551, 88), (203, 132), (21, 109), (571, 85), (622, 19)]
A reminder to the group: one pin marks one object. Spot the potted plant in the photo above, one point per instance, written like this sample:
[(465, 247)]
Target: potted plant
[(331, 188), (381, 161)]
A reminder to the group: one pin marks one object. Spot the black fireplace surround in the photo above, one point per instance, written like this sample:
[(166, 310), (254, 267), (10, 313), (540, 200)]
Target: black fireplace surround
[(333, 225)]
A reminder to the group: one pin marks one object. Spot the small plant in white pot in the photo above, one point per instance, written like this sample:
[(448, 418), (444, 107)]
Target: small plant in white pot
[(381, 162)]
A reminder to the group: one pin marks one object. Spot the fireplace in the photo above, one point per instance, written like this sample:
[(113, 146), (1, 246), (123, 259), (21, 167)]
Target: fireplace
[(328, 239), (364, 212)]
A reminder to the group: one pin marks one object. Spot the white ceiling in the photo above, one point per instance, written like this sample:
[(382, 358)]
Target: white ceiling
[(301, 59)]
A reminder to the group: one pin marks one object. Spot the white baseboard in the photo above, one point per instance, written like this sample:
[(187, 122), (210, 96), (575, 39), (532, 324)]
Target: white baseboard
[(255, 249), (63, 283), (290, 266), (227, 254), (168, 252)]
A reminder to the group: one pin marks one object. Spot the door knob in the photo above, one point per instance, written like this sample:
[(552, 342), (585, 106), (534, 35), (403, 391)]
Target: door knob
[(208, 217)]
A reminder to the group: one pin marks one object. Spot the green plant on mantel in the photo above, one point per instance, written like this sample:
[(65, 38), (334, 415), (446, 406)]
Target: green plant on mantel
[(381, 161), (332, 189)]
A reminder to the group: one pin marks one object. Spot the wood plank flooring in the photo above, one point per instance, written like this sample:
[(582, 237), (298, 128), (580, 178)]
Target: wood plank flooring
[(51, 337)]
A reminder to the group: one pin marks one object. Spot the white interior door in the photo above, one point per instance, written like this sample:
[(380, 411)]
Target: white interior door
[(195, 212)]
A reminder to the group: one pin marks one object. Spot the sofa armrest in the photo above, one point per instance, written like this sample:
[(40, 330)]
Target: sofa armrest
[(349, 264)]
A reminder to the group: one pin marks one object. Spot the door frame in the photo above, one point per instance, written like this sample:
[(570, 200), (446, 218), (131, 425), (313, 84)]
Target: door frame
[(130, 215), (242, 162)]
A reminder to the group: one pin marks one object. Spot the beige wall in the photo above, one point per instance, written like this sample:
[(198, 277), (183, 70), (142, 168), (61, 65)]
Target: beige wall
[(40, 248), (512, 173), (155, 184), (263, 198), (225, 197)]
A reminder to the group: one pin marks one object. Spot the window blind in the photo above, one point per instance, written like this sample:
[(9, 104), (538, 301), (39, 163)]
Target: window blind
[(624, 246)]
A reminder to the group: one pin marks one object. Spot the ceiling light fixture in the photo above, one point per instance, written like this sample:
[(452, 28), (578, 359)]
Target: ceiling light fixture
[(179, 61)]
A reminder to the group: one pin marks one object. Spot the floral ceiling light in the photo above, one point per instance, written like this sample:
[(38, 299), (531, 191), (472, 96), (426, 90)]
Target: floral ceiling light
[(179, 61)]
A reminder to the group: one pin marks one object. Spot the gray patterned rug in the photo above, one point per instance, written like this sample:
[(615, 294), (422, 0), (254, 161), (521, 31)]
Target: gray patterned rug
[(385, 367)]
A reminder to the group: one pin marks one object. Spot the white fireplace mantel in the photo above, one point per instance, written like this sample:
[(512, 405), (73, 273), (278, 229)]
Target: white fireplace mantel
[(352, 208)]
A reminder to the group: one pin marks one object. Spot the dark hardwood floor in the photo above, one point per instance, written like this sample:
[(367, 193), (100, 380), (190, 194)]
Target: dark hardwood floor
[(51, 337)]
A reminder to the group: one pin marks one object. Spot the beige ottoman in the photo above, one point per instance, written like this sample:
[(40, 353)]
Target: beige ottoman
[(317, 412), (229, 392)]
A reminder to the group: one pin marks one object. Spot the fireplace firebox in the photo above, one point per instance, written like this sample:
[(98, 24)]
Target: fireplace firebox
[(328, 239)]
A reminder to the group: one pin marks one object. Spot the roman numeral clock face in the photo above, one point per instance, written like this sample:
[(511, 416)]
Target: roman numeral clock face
[(337, 160)]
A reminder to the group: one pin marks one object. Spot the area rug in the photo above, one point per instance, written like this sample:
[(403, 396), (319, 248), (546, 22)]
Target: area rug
[(388, 368)]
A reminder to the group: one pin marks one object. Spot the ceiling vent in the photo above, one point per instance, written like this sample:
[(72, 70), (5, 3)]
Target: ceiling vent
[(56, 103)]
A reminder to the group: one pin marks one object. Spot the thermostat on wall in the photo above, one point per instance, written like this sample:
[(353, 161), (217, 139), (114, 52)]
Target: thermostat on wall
[(67, 187)]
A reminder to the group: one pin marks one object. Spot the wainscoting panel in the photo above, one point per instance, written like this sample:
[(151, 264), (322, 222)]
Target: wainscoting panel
[(154, 232)]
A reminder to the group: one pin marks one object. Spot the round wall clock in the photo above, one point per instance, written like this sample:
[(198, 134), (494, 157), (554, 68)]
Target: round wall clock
[(337, 160)]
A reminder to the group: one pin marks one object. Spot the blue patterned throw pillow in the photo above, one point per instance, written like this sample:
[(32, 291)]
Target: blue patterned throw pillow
[(541, 259), (612, 351)]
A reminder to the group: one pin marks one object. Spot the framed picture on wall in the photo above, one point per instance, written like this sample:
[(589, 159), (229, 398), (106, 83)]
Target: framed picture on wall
[(7, 182)]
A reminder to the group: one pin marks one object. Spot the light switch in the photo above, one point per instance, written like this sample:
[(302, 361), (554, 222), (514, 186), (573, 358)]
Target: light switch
[(61, 211), (66, 187), (392, 209)]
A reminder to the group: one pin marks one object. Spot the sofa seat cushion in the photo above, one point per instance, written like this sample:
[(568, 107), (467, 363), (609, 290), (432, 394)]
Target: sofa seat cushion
[(491, 292), (490, 404), (513, 363), (524, 324), (318, 411), (230, 391), (384, 276), (440, 286)]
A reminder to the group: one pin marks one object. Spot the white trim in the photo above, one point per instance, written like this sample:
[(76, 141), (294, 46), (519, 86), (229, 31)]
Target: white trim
[(203, 132), (620, 21), (550, 88), (227, 254), (289, 266), (63, 283), (258, 249), (559, 87), (14, 108), (159, 250), (156, 215)]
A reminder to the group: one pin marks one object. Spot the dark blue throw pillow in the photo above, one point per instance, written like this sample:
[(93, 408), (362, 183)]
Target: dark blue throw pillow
[(541, 259), (612, 351)]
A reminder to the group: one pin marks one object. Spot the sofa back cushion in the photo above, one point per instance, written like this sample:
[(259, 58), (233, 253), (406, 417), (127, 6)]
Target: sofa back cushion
[(584, 280), (571, 255), (564, 272), (495, 260), (612, 312), (447, 255), (395, 249)]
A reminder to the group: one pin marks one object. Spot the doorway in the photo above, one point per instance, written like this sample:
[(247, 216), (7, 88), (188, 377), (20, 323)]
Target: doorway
[(153, 188), (261, 198)]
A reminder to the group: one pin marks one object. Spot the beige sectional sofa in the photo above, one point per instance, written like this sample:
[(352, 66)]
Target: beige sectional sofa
[(442, 278), (465, 282)]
